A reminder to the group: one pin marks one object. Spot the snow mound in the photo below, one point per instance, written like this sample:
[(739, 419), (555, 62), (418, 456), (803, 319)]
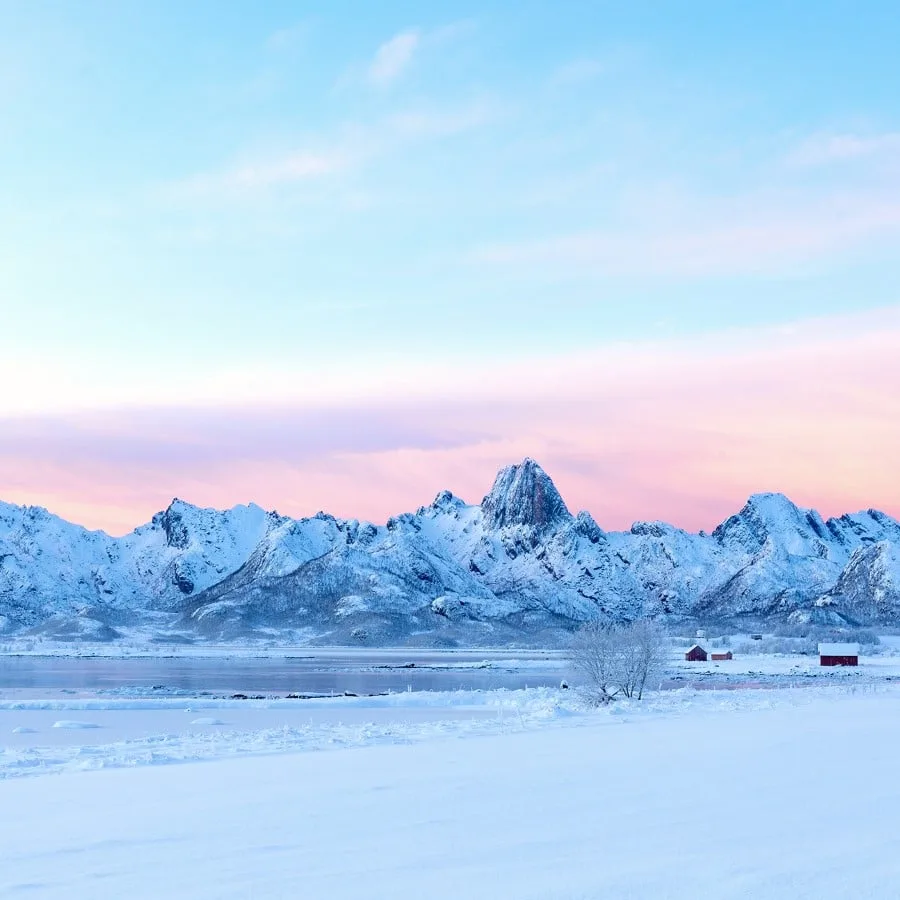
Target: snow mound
[(72, 725)]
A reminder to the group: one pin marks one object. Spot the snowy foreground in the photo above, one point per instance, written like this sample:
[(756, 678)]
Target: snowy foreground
[(787, 793)]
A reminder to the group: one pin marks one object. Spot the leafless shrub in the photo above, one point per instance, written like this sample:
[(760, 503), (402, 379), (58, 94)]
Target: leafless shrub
[(619, 660), (593, 657)]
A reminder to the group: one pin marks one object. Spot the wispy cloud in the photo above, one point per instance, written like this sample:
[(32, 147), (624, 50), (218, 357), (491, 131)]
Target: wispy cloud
[(393, 58), (438, 123), (577, 71), (289, 36), (809, 409), (329, 155), (280, 170), (822, 149), (784, 225), (734, 238)]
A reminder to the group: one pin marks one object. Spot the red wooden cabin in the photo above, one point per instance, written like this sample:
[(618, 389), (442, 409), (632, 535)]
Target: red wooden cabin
[(718, 655), (838, 654), (695, 654)]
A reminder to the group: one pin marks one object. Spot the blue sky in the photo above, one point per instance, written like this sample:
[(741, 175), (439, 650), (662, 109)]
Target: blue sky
[(216, 201)]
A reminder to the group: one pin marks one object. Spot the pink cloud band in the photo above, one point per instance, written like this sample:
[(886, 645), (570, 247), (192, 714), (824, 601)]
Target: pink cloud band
[(681, 432)]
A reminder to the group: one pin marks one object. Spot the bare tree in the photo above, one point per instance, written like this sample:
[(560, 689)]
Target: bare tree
[(619, 660), (642, 648), (593, 656)]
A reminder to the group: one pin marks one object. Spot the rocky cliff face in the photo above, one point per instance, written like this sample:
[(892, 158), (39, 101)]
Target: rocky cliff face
[(524, 495), (517, 568), (868, 589)]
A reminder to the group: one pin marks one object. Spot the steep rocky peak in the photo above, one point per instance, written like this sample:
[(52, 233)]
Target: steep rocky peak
[(172, 521), (29, 515), (446, 501), (184, 522), (524, 494), (772, 516), (652, 529), (588, 528), (772, 506), (866, 527), (868, 589)]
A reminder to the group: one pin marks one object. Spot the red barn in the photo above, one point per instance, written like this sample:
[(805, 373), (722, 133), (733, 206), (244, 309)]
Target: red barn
[(719, 655), (695, 654), (838, 654)]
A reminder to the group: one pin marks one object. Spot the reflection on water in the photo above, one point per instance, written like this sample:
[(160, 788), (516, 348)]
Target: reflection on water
[(356, 674), (326, 673)]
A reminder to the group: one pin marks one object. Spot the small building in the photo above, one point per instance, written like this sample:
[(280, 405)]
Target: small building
[(695, 654), (719, 655), (756, 637), (838, 654)]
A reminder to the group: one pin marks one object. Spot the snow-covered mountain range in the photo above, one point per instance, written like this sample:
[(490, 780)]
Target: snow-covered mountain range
[(518, 568)]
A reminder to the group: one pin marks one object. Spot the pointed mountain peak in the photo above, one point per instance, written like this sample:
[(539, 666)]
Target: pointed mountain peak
[(772, 503), (171, 520), (772, 516), (524, 495), (587, 527), (764, 510), (447, 501), (654, 529)]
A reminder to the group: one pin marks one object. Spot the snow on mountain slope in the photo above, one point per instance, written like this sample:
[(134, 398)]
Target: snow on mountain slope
[(186, 549), (53, 570), (868, 589), (772, 518), (363, 583), (671, 567), (869, 527), (57, 575), (522, 544), (785, 557), (519, 566)]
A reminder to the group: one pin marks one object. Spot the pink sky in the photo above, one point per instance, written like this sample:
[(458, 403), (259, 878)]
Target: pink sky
[(679, 431)]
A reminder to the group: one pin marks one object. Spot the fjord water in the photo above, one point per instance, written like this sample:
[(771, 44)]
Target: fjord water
[(307, 672)]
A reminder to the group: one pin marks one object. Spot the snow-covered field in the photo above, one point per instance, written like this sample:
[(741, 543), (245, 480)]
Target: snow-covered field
[(137, 732), (786, 667), (523, 794), (762, 776), (64, 729)]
